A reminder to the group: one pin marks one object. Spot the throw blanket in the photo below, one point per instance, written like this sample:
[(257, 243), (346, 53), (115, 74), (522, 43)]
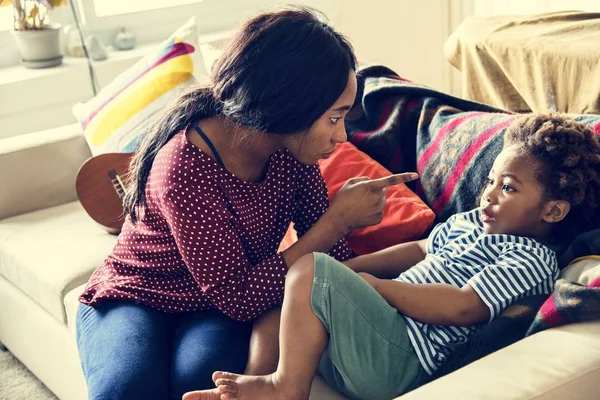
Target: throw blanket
[(522, 62), (583, 245), (570, 302)]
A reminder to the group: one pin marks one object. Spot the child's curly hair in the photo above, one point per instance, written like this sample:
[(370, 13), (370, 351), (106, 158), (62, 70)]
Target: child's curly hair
[(568, 157)]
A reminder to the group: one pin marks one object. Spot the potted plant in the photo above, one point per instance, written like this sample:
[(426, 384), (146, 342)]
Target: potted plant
[(37, 39)]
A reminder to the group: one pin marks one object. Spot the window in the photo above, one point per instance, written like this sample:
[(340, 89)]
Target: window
[(148, 20), (6, 18), (112, 14), (105, 8), (153, 20)]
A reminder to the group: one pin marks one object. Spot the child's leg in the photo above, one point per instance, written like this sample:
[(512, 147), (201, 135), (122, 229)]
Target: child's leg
[(302, 341), (264, 344), (369, 354)]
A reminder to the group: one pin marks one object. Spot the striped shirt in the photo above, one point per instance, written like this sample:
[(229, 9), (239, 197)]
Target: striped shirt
[(500, 268)]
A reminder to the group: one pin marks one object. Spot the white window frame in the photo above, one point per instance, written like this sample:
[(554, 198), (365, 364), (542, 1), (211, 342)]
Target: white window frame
[(211, 16), (8, 11)]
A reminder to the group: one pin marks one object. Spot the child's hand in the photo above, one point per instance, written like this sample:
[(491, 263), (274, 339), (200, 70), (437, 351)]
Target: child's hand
[(370, 279)]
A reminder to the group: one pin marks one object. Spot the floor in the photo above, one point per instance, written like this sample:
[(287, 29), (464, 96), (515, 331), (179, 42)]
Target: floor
[(17, 383)]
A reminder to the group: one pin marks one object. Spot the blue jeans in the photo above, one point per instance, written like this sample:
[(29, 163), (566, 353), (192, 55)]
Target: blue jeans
[(132, 351)]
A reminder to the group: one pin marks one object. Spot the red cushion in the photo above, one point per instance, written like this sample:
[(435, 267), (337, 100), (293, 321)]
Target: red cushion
[(406, 216)]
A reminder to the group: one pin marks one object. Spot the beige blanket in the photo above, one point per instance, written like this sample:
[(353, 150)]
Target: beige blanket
[(546, 62)]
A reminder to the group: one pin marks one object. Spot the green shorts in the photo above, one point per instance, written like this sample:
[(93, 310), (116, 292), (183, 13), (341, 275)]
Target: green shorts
[(369, 355)]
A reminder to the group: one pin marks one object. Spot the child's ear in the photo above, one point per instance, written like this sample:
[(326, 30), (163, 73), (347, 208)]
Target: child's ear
[(556, 210)]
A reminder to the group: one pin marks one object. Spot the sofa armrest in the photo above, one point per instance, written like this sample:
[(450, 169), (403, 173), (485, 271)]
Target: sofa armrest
[(558, 363), (38, 170)]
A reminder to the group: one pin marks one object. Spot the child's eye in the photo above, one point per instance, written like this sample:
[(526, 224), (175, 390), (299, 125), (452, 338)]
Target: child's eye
[(490, 181), (334, 120), (508, 188)]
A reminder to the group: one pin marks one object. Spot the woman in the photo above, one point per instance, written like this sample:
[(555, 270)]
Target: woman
[(214, 186)]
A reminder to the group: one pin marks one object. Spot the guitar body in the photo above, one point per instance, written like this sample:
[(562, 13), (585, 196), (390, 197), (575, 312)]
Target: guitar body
[(100, 186)]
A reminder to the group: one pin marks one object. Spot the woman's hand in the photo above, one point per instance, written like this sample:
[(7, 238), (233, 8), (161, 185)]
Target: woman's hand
[(361, 201)]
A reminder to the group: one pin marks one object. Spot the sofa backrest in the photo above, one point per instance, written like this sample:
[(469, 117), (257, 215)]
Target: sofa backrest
[(38, 170)]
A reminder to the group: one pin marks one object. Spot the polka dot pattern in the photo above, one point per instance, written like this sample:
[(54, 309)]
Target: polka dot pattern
[(207, 239)]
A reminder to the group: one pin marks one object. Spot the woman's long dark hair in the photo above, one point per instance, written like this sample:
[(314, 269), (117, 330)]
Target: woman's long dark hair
[(278, 75)]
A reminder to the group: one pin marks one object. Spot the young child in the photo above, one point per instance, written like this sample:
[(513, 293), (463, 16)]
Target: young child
[(377, 338)]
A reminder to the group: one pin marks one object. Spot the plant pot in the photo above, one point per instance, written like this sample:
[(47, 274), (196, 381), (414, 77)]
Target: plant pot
[(40, 48)]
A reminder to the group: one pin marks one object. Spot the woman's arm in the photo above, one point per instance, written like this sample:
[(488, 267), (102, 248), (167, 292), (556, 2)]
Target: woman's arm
[(390, 262), (433, 303), (213, 252), (320, 227)]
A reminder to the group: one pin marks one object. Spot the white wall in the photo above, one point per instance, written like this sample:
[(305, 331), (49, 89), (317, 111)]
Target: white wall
[(404, 35)]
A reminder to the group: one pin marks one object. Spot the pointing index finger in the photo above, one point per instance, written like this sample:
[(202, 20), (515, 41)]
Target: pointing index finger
[(395, 179)]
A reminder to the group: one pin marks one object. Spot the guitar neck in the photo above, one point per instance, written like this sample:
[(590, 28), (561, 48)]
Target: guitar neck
[(117, 183)]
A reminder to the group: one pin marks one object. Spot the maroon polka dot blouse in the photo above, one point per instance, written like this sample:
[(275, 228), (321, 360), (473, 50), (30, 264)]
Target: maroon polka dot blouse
[(207, 239)]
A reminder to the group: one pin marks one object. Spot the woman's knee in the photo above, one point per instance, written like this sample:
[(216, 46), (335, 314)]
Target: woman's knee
[(124, 384), (185, 378), (195, 373), (123, 351), (205, 343)]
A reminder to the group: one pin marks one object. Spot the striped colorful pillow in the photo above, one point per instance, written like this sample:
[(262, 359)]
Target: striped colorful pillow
[(115, 119)]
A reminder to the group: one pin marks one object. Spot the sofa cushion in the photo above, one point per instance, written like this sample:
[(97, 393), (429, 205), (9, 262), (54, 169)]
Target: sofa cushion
[(38, 169), (47, 253)]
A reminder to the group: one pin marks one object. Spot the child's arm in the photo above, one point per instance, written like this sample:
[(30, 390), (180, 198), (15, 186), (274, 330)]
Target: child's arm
[(433, 303), (390, 262)]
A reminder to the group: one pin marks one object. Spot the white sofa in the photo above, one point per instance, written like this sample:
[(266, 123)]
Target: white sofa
[(49, 247)]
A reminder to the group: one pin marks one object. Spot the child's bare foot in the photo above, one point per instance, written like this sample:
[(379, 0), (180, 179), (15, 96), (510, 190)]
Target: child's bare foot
[(210, 394), (251, 387)]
